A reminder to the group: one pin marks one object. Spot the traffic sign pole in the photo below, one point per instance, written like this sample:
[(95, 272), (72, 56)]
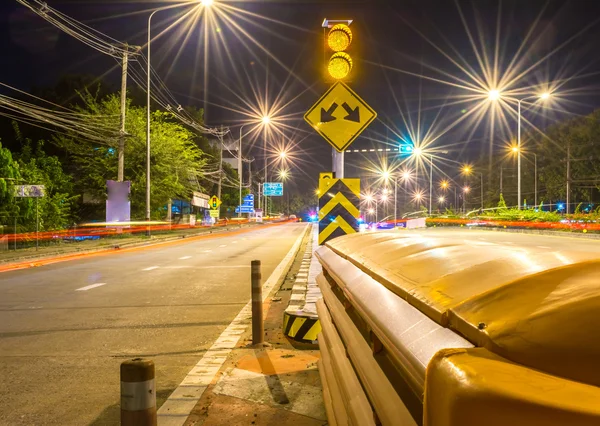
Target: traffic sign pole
[(338, 163)]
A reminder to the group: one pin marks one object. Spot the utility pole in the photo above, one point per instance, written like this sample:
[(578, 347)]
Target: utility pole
[(220, 164), (430, 181), (568, 175), (501, 168), (121, 153), (535, 178), (240, 170)]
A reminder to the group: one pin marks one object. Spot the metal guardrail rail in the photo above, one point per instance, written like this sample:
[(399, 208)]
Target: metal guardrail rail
[(402, 342), (395, 341)]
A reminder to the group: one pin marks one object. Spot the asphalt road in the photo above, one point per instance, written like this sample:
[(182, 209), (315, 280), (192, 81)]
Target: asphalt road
[(66, 327)]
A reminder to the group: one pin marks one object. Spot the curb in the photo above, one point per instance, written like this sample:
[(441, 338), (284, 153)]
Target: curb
[(300, 319)]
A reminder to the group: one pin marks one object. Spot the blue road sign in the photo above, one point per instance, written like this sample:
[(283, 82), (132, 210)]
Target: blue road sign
[(245, 209), (249, 200), (273, 189), (406, 148)]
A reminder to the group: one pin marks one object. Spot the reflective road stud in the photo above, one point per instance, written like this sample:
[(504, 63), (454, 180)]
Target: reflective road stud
[(138, 393)]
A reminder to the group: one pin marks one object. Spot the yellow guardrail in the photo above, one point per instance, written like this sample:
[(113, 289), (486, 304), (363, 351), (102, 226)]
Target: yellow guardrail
[(442, 332)]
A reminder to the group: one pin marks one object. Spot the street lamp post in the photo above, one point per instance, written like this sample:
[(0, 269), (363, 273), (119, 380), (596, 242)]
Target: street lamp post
[(542, 96), (148, 72), (395, 201), (240, 171), (430, 181), (494, 95), (535, 179)]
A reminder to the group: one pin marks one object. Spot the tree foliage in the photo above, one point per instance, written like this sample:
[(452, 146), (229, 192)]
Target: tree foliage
[(32, 166), (176, 160)]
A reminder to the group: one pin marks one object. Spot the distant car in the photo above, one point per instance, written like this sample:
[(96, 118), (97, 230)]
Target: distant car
[(382, 225), (293, 217)]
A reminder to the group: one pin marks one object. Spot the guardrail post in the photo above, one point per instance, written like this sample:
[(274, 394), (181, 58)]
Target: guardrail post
[(138, 393), (257, 311)]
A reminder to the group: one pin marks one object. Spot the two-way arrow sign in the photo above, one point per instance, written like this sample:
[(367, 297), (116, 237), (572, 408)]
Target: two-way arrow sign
[(352, 114), (337, 128)]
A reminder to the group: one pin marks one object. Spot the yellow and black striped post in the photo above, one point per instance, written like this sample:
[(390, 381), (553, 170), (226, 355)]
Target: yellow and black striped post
[(339, 208)]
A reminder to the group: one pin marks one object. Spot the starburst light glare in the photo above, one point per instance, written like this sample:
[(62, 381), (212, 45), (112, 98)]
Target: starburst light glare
[(207, 2), (494, 95), (417, 152), (466, 189), (544, 96), (441, 200), (515, 149), (266, 119), (467, 170), (371, 211), (444, 184)]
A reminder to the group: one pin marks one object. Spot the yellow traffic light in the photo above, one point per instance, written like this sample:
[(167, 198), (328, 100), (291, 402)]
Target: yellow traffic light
[(339, 40), (340, 65)]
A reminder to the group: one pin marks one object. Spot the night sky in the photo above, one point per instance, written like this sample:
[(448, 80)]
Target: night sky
[(275, 51)]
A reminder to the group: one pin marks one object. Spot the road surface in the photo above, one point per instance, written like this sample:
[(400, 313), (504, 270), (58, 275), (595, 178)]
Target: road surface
[(66, 327)]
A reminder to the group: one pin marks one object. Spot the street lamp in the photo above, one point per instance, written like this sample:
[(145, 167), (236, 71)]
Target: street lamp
[(441, 200), (266, 119), (283, 174), (494, 95), (148, 72), (543, 96)]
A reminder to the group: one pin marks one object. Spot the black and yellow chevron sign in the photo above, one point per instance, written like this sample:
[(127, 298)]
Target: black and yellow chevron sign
[(338, 207)]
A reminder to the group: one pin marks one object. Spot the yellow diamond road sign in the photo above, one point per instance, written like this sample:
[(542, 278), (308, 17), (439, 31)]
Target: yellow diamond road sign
[(340, 116)]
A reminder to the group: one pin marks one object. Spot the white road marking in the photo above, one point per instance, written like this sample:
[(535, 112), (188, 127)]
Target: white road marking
[(151, 268), (89, 287), (185, 257), (544, 247), (223, 245), (207, 251), (234, 242)]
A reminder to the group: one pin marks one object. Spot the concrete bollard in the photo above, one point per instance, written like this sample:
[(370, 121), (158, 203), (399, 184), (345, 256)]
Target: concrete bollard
[(257, 309), (138, 393)]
